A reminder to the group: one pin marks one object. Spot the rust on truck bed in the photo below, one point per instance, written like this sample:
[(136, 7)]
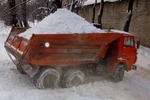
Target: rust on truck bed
[(63, 49)]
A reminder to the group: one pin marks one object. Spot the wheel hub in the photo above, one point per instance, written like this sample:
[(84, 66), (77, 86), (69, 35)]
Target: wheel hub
[(76, 81), (49, 81)]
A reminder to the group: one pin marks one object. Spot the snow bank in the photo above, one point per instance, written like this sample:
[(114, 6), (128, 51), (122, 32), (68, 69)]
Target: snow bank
[(61, 22), (144, 57), (4, 29), (89, 2)]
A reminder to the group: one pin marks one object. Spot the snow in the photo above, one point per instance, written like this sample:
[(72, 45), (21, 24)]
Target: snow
[(144, 59), (3, 1), (62, 21), (119, 31), (90, 2), (15, 86), (4, 29)]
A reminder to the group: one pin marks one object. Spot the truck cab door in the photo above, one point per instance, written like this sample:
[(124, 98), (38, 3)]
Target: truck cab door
[(129, 50)]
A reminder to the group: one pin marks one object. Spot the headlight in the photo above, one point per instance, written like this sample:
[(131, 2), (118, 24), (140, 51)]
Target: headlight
[(47, 45)]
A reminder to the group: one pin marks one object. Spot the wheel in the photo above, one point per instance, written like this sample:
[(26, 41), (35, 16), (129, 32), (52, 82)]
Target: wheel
[(46, 78), (119, 73), (20, 69), (73, 78)]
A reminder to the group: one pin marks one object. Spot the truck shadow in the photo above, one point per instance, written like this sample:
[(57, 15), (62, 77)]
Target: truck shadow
[(98, 78)]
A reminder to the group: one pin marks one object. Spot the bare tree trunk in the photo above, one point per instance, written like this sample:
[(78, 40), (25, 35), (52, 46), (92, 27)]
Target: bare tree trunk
[(58, 3), (13, 15), (129, 16), (101, 13), (93, 18), (47, 3), (137, 2), (24, 14), (74, 3), (77, 10)]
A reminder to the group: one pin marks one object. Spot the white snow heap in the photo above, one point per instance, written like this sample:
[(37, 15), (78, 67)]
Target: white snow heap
[(62, 21), (89, 2), (3, 1), (4, 29)]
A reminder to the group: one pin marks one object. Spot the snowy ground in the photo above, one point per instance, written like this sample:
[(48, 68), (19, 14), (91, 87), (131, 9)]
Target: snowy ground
[(135, 86)]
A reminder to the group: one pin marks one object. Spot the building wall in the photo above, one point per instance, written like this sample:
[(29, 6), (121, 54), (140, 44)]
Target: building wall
[(115, 15)]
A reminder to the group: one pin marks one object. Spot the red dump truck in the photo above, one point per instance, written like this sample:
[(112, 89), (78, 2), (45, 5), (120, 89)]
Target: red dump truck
[(65, 59)]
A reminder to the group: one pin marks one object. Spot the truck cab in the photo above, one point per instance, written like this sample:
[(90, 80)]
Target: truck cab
[(129, 50), (122, 55)]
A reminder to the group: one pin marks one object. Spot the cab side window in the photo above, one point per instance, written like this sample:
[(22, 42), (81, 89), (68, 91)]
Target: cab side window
[(128, 42)]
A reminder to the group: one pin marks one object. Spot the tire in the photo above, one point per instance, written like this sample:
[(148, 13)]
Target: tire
[(46, 78), (73, 78), (119, 73), (20, 69)]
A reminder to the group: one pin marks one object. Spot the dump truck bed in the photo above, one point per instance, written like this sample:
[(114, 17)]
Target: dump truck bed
[(60, 49)]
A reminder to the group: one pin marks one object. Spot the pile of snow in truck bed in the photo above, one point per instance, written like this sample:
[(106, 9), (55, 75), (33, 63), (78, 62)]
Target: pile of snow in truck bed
[(62, 21)]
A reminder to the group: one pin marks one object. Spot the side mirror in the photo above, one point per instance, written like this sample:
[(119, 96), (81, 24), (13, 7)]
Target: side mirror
[(138, 44)]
